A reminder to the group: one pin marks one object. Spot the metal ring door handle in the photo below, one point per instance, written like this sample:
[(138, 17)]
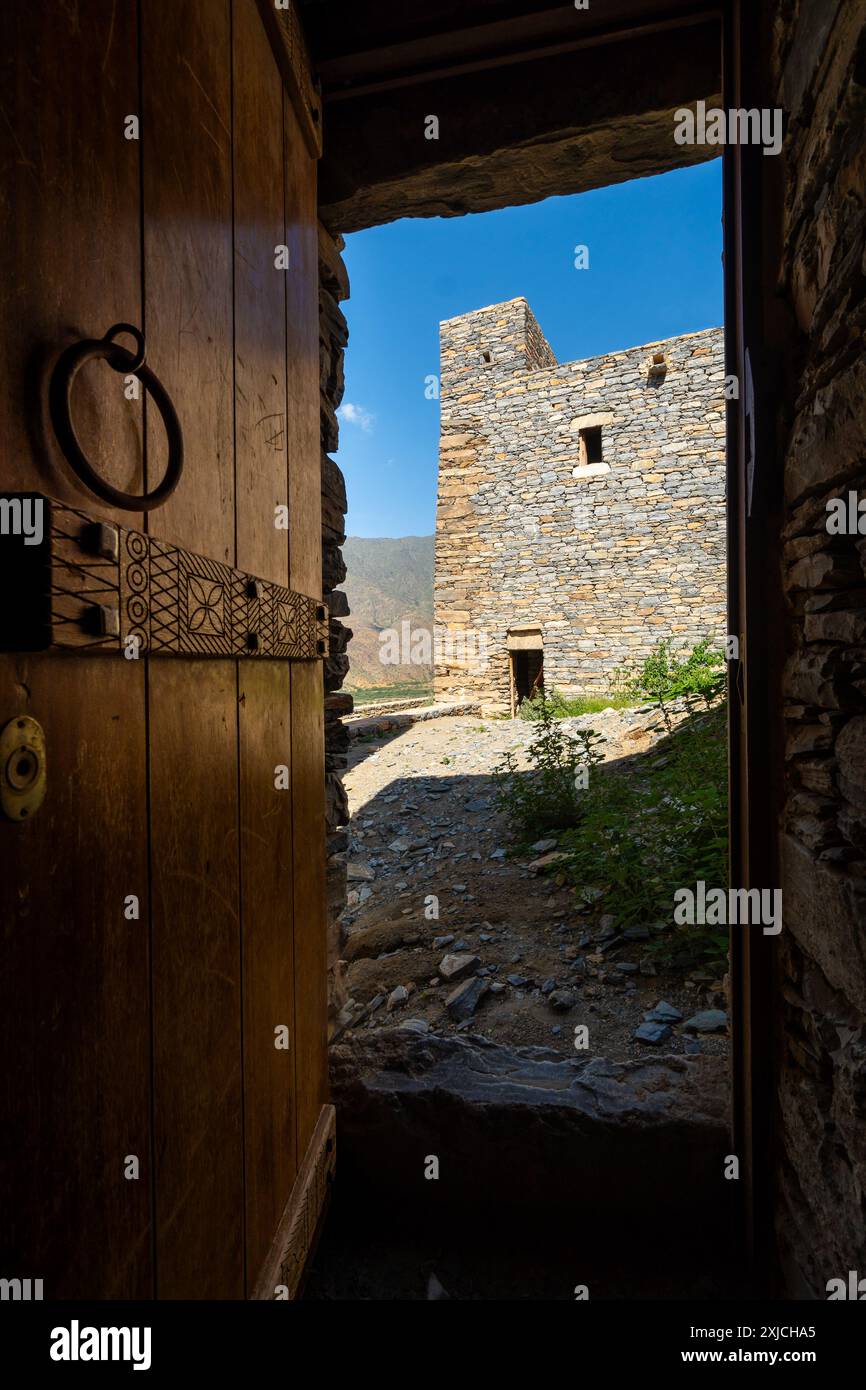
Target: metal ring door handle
[(119, 359)]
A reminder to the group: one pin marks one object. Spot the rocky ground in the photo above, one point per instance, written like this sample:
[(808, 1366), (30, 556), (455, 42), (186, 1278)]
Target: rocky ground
[(513, 954)]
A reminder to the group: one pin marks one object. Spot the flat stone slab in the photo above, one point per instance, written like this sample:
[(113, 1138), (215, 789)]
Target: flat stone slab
[(455, 966), (522, 1125), (403, 719)]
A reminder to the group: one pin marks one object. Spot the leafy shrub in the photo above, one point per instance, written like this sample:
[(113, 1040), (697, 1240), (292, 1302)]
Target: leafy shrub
[(640, 830), (547, 797), (662, 676), (658, 825)]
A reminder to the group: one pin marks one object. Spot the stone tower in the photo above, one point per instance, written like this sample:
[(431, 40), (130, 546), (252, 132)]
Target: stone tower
[(581, 507)]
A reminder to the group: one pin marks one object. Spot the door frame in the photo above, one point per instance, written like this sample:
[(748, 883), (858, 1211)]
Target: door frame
[(751, 200)]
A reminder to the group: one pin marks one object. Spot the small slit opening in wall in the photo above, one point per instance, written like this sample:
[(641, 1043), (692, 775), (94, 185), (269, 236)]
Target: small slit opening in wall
[(590, 445), (487, 358)]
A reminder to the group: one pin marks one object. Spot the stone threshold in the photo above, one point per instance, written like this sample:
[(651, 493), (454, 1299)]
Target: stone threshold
[(387, 721), (640, 1140)]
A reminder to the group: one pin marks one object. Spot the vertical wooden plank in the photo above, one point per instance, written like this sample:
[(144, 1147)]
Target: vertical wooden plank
[(311, 965), (263, 708), (260, 300), (266, 876), (74, 1029), (305, 571), (302, 286), (196, 946), (186, 75)]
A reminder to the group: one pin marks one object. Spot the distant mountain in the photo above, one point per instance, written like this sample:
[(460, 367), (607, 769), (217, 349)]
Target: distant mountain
[(388, 582)]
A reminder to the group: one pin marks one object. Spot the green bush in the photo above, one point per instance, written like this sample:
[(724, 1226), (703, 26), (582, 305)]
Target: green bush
[(658, 825), (643, 827), (548, 796), (663, 676)]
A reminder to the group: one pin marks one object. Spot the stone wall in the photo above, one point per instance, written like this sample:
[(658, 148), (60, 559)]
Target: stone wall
[(819, 68), (333, 337), (603, 556)]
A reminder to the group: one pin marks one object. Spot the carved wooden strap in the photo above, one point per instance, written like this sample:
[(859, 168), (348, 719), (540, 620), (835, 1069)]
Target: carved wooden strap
[(90, 586)]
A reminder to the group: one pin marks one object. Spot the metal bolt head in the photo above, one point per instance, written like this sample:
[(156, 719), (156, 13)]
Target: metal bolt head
[(101, 620), (99, 538)]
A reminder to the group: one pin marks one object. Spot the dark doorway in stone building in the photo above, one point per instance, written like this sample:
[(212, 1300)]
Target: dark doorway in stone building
[(527, 675), (526, 665)]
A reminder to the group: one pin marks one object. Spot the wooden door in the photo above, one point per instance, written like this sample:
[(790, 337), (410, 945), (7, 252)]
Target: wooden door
[(155, 1037)]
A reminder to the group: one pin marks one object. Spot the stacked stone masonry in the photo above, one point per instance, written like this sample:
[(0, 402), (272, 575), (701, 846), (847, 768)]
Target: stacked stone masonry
[(602, 556), (819, 70), (333, 337)]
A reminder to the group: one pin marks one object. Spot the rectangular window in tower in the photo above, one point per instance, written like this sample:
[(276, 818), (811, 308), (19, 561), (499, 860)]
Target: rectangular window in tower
[(590, 445)]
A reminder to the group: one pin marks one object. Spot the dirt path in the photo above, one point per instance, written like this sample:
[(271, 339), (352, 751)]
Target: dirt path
[(531, 964)]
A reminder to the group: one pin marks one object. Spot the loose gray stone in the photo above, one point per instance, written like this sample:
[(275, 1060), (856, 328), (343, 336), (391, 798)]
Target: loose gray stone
[(542, 846), (707, 1021), (463, 1001), (654, 1033), (663, 1012), (562, 1000), (456, 967)]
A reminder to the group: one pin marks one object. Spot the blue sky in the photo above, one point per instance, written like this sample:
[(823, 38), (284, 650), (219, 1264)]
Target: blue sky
[(655, 270)]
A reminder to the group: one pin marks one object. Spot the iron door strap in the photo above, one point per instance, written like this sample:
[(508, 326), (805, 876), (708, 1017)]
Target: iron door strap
[(74, 583)]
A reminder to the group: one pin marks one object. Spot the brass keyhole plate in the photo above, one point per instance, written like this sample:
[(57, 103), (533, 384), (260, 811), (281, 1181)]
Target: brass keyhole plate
[(22, 768)]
